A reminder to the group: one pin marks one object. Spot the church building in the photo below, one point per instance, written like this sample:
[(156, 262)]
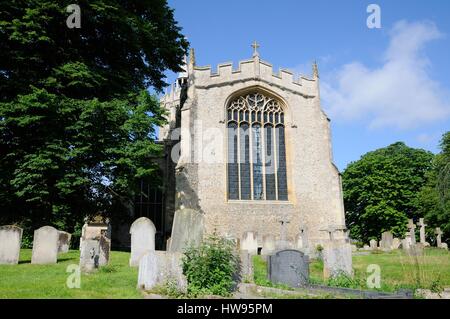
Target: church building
[(250, 149)]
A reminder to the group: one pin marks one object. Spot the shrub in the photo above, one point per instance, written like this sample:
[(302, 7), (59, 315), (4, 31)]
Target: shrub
[(211, 267)]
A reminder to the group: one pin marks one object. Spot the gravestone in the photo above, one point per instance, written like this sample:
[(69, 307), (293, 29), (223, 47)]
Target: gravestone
[(249, 242), (63, 242), (187, 230), (246, 266), (268, 245), (386, 240), (10, 241), (366, 247), (422, 225), (289, 267), (95, 227), (396, 243), (283, 243), (302, 240), (337, 259), (406, 243), (158, 268), (444, 246), (45, 246), (373, 244), (142, 239), (89, 255), (438, 233), (104, 250), (354, 248), (412, 232)]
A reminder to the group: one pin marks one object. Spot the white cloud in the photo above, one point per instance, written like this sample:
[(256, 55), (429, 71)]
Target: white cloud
[(400, 93)]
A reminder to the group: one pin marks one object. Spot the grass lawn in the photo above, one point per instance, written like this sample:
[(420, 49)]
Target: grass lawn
[(117, 280), (398, 270)]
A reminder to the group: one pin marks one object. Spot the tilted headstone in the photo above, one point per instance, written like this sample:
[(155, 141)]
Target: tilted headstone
[(386, 240), (412, 232), (373, 244), (396, 243), (10, 241), (45, 246), (337, 259), (142, 239), (63, 242), (157, 268), (249, 242), (438, 233), (187, 229), (268, 246), (289, 267)]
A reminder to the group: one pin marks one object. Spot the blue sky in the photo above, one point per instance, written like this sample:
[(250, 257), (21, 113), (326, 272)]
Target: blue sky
[(405, 64)]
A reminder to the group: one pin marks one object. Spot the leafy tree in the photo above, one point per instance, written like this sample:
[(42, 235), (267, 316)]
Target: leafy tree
[(76, 120), (381, 189), (433, 201)]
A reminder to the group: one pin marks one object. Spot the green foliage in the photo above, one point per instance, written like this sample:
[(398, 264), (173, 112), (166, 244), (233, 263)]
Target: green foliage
[(345, 281), (77, 125), (381, 190), (211, 267), (433, 201)]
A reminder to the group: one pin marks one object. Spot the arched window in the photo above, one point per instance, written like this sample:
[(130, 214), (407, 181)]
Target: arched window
[(256, 149)]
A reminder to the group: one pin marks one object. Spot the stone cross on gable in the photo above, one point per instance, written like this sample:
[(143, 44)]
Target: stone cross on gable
[(283, 231), (438, 233), (255, 47)]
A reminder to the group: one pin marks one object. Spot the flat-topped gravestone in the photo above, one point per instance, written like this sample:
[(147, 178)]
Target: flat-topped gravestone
[(187, 229), (289, 267), (142, 239), (157, 268), (104, 250), (89, 255), (95, 227), (386, 240), (63, 242), (268, 245), (45, 246), (249, 242), (10, 241), (337, 259)]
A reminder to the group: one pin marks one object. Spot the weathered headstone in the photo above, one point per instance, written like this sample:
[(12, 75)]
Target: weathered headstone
[(337, 259), (386, 240), (422, 225), (95, 227), (246, 266), (438, 233), (45, 246), (63, 242), (104, 250), (396, 243), (10, 241), (159, 268), (366, 247), (407, 242), (289, 267), (142, 239), (354, 248), (373, 244), (89, 255), (187, 229), (444, 246), (268, 245), (412, 232), (249, 242)]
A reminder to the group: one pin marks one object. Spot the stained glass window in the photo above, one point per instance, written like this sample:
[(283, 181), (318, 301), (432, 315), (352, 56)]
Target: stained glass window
[(256, 149)]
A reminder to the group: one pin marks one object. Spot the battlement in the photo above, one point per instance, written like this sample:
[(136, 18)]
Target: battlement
[(254, 69)]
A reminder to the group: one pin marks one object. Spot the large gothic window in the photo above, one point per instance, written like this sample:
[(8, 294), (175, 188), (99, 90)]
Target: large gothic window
[(256, 149)]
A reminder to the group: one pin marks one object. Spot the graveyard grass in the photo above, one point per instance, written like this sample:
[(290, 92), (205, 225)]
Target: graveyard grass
[(116, 280), (398, 271)]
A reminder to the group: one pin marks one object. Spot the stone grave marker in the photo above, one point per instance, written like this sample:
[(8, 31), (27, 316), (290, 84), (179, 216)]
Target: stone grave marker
[(412, 232), (10, 241), (104, 250), (45, 246), (396, 243), (373, 244), (422, 226), (337, 259), (63, 242), (289, 267), (386, 240), (249, 242), (142, 239), (89, 255), (187, 229), (160, 267), (283, 243), (268, 245), (438, 233), (246, 266)]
